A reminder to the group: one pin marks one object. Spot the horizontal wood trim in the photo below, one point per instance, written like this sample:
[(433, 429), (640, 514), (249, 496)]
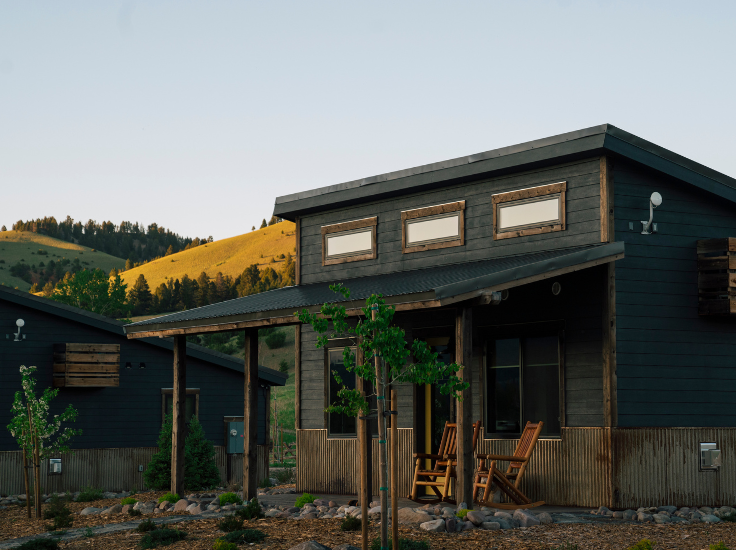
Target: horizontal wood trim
[(348, 226), (72, 368), (190, 391), (432, 210), (93, 348), (434, 246), (529, 231), (90, 382), (717, 245), (87, 357), (348, 259), (529, 193)]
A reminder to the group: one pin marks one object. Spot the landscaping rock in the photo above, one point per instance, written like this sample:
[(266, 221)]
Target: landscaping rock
[(669, 509), (723, 511), (544, 518), (491, 525), (603, 511), (272, 513), (409, 515), (127, 508), (320, 502), (618, 514), (435, 526), (118, 508), (705, 510), (195, 509), (293, 510), (503, 523), (710, 518), (346, 546), (476, 517), (525, 518), (180, 506), (450, 524), (333, 504), (677, 519), (310, 515), (644, 517), (310, 545), (90, 511), (661, 518), (376, 510), (629, 515)]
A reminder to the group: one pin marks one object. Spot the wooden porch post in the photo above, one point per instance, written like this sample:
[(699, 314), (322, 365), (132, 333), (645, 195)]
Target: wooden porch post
[(250, 416), (464, 356), (179, 426)]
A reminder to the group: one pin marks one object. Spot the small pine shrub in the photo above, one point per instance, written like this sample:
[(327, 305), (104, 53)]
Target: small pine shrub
[(88, 494), (265, 483), (404, 544), (285, 476), (275, 340), (306, 498), (88, 533), (283, 366), (128, 500), (245, 535), (462, 513), (200, 468), (351, 523), (718, 546), (134, 513), (230, 523), (643, 544), (252, 510), (162, 537), (57, 507), (230, 498), (173, 498), (145, 526), (221, 544), (729, 517), (40, 544)]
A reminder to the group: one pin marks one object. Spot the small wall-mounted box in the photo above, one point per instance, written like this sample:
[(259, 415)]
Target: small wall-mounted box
[(710, 457), (54, 466), (234, 430)]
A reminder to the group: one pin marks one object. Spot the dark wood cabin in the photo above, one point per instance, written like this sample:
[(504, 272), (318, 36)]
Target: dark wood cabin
[(121, 389), (532, 267)]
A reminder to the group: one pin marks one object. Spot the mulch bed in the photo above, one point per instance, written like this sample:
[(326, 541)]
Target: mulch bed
[(283, 534)]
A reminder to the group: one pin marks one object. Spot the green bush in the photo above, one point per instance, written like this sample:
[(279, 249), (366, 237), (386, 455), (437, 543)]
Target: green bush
[(158, 471), (462, 513), (252, 510), (404, 544), (224, 545), (245, 535), (283, 366), (230, 523), (230, 498), (200, 469), (40, 544), (134, 513), (275, 340), (351, 523), (718, 546), (169, 497), (162, 537), (59, 512), (306, 498), (88, 533), (88, 494), (265, 483), (145, 526), (128, 500), (285, 475), (643, 544)]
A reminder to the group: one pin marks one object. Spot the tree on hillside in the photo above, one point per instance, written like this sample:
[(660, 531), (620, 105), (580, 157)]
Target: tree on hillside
[(203, 294), (5, 228), (140, 296), (169, 251), (93, 291), (274, 220), (252, 228), (263, 223), (128, 264)]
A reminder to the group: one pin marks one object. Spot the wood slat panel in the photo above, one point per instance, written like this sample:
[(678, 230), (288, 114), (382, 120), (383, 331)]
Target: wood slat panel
[(91, 382), (85, 368), (93, 348), (92, 358)]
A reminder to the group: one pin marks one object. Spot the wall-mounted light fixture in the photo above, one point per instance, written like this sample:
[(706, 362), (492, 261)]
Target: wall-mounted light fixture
[(54, 466), (18, 336), (647, 227), (142, 366), (710, 457), (556, 288), (128, 365)]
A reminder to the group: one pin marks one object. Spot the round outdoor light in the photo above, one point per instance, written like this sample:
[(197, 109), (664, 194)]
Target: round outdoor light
[(19, 323), (505, 294), (556, 288), (656, 199)]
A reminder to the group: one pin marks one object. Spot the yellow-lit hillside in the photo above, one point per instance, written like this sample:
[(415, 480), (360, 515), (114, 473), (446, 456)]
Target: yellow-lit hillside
[(24, 246), (231, 256)]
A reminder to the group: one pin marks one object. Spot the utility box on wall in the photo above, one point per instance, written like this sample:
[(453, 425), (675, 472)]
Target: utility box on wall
[(234, 430)]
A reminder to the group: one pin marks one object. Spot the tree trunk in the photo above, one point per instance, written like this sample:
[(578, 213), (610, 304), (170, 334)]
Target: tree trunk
[(395, 469), (382, 448), (26, 477), (37, 466)]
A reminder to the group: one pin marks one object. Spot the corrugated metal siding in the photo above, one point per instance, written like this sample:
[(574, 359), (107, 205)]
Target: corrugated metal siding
[(108, 469), (332, 466), (570, 471), (660, 466)]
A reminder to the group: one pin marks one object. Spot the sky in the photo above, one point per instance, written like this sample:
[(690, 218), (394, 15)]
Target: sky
[(197, 115)]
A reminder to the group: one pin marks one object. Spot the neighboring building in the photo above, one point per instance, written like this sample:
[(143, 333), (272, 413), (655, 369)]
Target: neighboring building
[(528, 264), (121, 402)]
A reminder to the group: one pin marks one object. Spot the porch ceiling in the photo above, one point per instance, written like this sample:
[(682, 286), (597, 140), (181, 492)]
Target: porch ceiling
[(422, 288)]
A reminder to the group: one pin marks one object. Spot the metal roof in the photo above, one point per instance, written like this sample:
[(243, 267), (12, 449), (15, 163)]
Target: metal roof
[(437, 283), (116, 327), (597, 140)]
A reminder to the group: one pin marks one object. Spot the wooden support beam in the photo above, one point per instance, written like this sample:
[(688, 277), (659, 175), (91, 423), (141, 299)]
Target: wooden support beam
[(464, 356), (297, 259), (298, 377), (178, 433), (606, 193), (250, 416), (610, 409), (267, 408)]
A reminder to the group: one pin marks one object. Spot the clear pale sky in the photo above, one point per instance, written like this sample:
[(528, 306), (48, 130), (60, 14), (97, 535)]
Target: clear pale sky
[(196, 115)]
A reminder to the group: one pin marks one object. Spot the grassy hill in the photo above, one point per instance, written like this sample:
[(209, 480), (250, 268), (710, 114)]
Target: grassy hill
[(23, 246), (230, 256)]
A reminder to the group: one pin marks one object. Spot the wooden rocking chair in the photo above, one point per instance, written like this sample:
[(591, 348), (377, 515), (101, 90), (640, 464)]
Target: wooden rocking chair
[(508, 482), (445, 465)]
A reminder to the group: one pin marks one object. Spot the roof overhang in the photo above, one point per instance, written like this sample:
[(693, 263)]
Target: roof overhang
[(587, 143), (499, 276)]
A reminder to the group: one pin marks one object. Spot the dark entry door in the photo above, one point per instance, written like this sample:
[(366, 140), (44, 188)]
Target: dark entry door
[(433, 408)]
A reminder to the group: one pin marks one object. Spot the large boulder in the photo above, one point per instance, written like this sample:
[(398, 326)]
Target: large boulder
[(503, 522), (409, 515), (669, 509), (661, 518), (346, 546), (450, 524), (118, 508), (195, 509), (544, 518), (710, 518), (525, 518), (476, 517), (491, 525), (90, 511), (309, 545), (435, 526), (644, 517), (181, 505)]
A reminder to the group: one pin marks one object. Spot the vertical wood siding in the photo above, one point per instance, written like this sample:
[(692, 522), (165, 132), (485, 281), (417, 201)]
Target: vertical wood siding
[(332, 466), (660, 466), (109, 469)]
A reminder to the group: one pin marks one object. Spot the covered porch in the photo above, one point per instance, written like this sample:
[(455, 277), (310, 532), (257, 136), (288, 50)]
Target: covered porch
[(461, 294)]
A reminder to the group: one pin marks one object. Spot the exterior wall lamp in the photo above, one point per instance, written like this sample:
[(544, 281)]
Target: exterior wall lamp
[(647, 227), (18, 336)]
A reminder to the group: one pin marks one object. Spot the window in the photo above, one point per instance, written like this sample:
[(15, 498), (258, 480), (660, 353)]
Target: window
[(433, 227), (349, 241), (529, 211), (191, 404), (523, 384), (339, 424)]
